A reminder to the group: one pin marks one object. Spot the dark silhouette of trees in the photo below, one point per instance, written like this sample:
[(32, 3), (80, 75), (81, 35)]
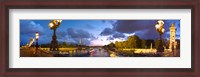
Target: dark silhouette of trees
[(149, 42), (143, 44), (64, 44), (135, 42), (132, 42), (111, 45)]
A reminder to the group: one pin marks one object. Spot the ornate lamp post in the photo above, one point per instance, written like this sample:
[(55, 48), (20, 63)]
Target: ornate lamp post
[(160, 29), (53, 26), (36, 37)]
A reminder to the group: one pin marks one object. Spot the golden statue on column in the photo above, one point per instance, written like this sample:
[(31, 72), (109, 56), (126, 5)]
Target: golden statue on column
[(173, 42)]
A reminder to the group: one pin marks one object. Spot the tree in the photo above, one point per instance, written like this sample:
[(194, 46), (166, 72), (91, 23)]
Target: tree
[(143, 44), (134, 42), (45, 45), (131, 42), (64, 44), (118, 45), (157, 42), (111, 45), (149, 42), (71, 45), (124, 44)]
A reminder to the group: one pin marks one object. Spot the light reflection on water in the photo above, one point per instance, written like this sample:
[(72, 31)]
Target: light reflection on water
[(101, 52), (92, 52)]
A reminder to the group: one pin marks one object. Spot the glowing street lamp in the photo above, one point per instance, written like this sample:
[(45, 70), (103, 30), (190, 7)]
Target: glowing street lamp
[(160, 29), (53, 25), (37, 36)]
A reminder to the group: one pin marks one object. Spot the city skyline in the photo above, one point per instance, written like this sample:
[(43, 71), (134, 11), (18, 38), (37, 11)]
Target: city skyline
[(94, 32)]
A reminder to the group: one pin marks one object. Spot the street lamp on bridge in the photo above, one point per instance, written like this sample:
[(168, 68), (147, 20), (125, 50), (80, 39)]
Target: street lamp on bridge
[(160, 29), (36, 37), (54, 24)]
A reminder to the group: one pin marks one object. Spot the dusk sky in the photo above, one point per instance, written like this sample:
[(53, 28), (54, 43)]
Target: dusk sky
[(93, 32)]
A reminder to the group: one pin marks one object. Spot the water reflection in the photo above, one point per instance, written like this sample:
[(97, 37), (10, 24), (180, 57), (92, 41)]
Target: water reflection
[(84, 52), (102, 52)]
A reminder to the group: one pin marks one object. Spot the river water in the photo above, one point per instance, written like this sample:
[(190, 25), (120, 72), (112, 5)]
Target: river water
[(90, 52)]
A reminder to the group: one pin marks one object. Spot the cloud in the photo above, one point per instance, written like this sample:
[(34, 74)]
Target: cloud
[(118, 35), (147, 34), (80, 34), (141, 28), (30, 27), (45, 39), (145, 29), (88, 26), (61, 35), (111, 30), (110, 38), (130, 26), (96, 42), (109, 21), (106, 32)]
